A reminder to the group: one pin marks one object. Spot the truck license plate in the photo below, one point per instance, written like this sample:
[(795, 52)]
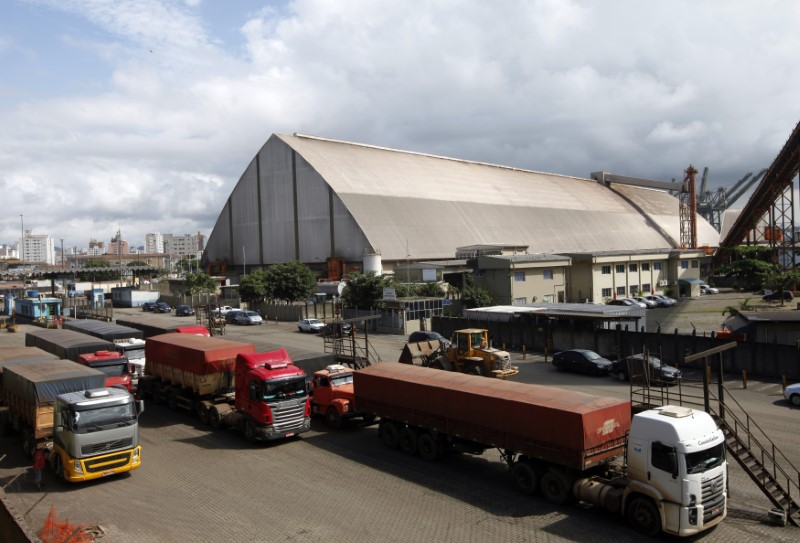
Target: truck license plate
[(289, 434), (107, 473)]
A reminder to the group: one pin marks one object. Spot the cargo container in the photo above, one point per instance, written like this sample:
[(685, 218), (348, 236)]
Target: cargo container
[(663, 469), (89, 431), (228, 384)]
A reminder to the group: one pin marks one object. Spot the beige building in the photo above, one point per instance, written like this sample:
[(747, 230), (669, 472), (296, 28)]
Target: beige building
[(524, 278), (603, 276)]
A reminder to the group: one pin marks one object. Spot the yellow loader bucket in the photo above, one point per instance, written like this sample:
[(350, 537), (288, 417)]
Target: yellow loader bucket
[(415, 353)]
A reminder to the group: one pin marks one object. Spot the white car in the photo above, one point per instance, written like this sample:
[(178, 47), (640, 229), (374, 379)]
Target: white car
[(707, 289), (644, 300), (792, 393), (310, 325), (223, 310), (248, 317)]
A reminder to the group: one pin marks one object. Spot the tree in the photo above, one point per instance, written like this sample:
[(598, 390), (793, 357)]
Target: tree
[(473, 296), (290, 281), (749, 273), (200, 283), (733, 311), (253, 287), (364, 291), (431, 290)]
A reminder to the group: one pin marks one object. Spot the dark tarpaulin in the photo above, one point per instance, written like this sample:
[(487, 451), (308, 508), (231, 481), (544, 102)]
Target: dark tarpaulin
[(66, 343), (40, 382), (103, 330)]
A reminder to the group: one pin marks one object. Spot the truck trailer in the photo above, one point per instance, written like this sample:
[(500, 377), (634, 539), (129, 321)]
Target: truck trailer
[(664, 470), (89, 430), (20, 355), (228, 384), (86, 350)]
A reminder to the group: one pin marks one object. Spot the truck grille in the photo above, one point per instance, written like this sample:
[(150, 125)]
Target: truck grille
[(287, 416), (713, 498), (107, 463), (107, 446)]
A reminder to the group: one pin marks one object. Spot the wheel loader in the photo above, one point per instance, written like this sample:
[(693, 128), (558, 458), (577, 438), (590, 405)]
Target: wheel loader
[(469, 352)]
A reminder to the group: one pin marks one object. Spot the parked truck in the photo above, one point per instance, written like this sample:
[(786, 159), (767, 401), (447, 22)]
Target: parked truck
[(127, 341), (10, 356), (228, 384), (664, 469), (89, 430), (86, 350), (469, 351), (332, 395)]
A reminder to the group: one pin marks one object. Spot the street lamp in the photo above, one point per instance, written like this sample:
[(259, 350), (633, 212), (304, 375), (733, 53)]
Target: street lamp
[(22, 241)]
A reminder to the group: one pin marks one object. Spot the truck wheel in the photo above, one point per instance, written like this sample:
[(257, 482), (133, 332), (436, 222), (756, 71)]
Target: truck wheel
[(525, 477), (621, 376), (58, 467), (249, 430), (172, 399), (390, 434), (408, 440), (203, 412), (332, 418), (795, 399), (215, 417), (429, 447), (643, 516), (554, 487)]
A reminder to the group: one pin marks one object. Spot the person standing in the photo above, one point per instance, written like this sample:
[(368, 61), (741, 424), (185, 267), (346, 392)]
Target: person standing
[(38, 467)]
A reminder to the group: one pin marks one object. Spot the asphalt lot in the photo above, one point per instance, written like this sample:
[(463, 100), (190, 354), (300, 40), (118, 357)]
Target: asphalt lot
[(197, 484)]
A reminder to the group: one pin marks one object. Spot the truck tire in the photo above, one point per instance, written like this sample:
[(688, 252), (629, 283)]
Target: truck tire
[(390, 434), (215, 417), (621, 376), (525, 477), (203, 412), (332, 418), (429, 447), (249, 430), (58, 467), (408, 440), (554, 487), (643, 516)]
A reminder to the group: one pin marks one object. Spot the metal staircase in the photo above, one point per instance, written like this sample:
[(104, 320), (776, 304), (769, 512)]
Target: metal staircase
[(745, 440), (205, 316)]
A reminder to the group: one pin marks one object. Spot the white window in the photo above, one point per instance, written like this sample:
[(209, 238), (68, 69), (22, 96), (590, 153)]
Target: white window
[(657, 266), (620, 291), (633, 267), (519, 301), (684, 265), (606, 270), (620, 268), (646, 288), (645, 266), (548, 274), (606, 293), (519, 276)]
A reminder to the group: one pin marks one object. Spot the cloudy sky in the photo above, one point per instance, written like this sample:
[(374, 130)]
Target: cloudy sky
[(141, 115)]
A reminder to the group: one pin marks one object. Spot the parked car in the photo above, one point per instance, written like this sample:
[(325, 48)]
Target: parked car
[(162, 307), (659, 372), (792, 393), (776, 296), (428, 335), (337, 329), (225, 309), (666, 299), (184, 311), (230, 316), (248, 317), (310, 325), (581, 361), (707, 289), (148, 306), (623, 301), (650, 304)]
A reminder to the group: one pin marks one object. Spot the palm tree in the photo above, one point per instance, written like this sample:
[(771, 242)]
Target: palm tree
[(744, 305)]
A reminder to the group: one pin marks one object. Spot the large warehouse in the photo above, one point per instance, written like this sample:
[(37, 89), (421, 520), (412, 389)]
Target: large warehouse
[(315, 200)]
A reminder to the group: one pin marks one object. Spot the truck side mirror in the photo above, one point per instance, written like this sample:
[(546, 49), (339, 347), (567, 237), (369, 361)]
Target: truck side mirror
[(139, 406), (673, 462)]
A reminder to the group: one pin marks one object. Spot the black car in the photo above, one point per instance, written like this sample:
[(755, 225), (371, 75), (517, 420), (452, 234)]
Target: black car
[(776, 296), (659, 372), (581, 361), (337, 329), (184, 311), (162, 307), (149, 306), (428, 335)]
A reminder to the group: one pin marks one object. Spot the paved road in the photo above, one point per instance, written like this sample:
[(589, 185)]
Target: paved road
[(201, 485)]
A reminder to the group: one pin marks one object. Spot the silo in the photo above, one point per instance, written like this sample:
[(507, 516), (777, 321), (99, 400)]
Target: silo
[(372, 263)]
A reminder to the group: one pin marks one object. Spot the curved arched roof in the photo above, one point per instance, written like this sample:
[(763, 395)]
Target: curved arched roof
[(423, 205)]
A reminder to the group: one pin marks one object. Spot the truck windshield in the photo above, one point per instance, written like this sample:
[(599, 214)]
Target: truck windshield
[(704, 460), (116, 369), (91, 420), (285, 388), (136, 352), (341, 379)]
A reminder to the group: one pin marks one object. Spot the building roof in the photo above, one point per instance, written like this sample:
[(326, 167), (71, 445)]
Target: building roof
[(396, 195)]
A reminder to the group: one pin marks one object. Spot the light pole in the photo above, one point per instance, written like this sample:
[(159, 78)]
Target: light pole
[(22, 241)]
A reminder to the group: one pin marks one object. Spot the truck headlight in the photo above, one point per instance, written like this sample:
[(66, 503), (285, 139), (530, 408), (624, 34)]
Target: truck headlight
[(693, 516), (76, 467)]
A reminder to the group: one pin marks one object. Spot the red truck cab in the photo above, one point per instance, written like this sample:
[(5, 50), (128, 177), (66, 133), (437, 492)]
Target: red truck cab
[(272, 394), (332, 394), (113, 364)]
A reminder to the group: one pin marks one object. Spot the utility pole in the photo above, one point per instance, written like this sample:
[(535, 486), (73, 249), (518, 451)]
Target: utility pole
[(22, 242)]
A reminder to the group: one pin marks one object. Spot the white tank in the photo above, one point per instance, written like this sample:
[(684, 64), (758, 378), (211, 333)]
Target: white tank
[(372, 263)]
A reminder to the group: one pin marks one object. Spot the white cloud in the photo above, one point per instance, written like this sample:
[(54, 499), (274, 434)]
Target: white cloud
[(164, 103)]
